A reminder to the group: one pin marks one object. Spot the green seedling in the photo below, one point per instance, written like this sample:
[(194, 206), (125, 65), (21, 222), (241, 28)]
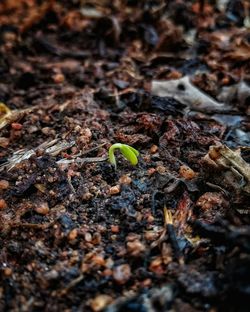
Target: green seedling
[(127, 151)]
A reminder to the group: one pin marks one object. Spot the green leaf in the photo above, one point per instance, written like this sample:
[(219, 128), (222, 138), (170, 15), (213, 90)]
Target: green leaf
[(130, 154), (133, 149)]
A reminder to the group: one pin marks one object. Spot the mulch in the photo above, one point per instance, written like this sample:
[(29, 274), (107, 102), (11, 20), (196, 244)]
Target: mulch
[(169, 234)]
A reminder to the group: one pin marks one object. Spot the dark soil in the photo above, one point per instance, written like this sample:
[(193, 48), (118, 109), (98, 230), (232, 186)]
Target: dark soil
[(170, 234)]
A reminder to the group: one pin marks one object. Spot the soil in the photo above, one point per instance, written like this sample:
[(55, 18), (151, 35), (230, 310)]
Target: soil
[(169, 234)]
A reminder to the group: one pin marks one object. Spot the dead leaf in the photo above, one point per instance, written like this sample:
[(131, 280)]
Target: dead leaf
[(186, 93)]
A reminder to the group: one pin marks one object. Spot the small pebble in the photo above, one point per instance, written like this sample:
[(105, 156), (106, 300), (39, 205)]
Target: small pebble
[(100, 302), (42, 208), (87, 196), (114, 190), (9, 36), (151, 235), (73, 234), (156, 266), (3, 204), (98, 260), (4, 184), (115, 228), (16, 126), (125, 180), (7, 272), (161, 169), (58, 78), (88, 237), (135, 248), (153, 149), (187, 173), (4, 142), (48, 131), (122, 273)]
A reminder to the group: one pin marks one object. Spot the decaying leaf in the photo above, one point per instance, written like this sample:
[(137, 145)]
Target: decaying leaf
[(186, 93), (231, 164), (239, 93)]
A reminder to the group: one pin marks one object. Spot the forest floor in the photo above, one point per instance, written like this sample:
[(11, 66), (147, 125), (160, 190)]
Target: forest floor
[(171, 79)]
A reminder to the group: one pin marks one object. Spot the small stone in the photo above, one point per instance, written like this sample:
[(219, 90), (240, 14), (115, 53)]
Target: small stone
[(161, 169), (98, 260), (8, 272), (156, 266), (122, 273), (88, 237), (125, 180), (48, 131), (4, 184), (42, 208), (3, 204), (135, 248), (9, 36), (151, 235), (73, 234), (187, 173), (58, 78), (16, 126), (87, 196), (114, 190), (115, 228), (100, 302), (153, 149), (4, 142)]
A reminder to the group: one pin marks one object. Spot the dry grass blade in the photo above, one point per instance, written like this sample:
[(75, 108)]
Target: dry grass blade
[(52, 148)]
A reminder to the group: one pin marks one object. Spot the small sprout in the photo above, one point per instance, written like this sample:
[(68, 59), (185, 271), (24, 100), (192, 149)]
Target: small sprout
[(127, 151)]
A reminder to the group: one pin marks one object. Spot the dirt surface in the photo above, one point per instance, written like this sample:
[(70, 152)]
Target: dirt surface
[(170, 234)]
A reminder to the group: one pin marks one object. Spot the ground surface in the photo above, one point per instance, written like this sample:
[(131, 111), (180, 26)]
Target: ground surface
[(171, 233)]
